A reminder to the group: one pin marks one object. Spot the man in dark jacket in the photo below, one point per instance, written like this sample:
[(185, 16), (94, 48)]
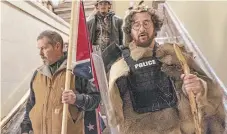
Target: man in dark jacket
[(45, 104), (104, 27)]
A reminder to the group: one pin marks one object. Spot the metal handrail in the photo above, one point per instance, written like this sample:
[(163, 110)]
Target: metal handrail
[(184, 36)]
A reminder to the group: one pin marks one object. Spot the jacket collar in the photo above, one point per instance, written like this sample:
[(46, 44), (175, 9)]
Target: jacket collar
[(45, 70)]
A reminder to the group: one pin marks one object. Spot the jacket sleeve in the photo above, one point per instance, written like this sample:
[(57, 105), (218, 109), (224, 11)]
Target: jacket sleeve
[(88, 97), (26, 124), (89, 27)]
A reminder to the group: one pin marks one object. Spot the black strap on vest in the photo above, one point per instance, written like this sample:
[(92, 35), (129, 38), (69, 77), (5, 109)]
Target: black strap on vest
[(126, 55)]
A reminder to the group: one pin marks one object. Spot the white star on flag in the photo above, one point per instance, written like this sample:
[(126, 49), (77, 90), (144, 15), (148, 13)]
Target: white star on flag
[(89, 69), (90, 127)]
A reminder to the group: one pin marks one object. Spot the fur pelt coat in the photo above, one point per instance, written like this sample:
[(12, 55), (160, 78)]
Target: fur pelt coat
[(177, 120)]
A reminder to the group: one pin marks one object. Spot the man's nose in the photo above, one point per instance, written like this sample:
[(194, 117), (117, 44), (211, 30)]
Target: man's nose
[(142, 29), (40, 52)]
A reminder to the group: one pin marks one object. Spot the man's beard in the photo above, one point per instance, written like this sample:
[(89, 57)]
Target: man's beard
[(45, 61), (146, 43)]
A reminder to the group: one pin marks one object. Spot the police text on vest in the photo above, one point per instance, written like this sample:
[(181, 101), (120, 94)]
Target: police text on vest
[(144, 64)]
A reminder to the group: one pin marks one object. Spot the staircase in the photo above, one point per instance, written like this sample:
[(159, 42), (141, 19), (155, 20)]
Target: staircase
[(63, 10), (172, 31)]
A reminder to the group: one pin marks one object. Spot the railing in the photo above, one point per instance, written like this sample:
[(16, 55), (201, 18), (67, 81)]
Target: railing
[(174, 31)]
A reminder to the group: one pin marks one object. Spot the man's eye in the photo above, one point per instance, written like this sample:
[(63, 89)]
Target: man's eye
[(136, 24), (146, 22)]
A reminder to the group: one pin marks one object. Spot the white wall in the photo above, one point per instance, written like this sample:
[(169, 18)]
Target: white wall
[(206, 22), (21, 23), (121, 6)]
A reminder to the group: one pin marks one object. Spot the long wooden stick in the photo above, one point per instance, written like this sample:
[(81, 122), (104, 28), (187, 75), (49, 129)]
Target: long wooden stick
[(194, 109), (72, 39)]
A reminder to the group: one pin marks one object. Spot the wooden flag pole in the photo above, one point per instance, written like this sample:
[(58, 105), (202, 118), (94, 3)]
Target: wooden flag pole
[(72, 40), (191, 96)]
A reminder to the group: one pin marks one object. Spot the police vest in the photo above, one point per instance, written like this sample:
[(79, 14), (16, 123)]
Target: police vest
[(150, 89)]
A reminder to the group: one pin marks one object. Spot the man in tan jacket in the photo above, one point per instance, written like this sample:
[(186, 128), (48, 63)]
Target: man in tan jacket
[(45, 104), (148, 92)]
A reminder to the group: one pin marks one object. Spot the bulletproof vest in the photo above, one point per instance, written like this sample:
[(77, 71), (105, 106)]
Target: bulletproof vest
[(150, 89)]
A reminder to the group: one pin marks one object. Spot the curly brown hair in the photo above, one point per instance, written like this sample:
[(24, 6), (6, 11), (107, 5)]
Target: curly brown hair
[(157, 22)]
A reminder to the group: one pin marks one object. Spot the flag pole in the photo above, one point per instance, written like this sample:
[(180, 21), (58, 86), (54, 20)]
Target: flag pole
[(72, 40)]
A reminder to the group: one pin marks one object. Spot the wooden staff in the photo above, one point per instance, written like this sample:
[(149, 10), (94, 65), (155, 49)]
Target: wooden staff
[(72, 40), (194, 109)]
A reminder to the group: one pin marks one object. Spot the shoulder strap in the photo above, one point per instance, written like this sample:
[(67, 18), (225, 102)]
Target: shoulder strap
[(154, 50), (126, 56)]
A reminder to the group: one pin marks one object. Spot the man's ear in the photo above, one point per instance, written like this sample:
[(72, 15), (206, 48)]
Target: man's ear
[(58, 45)]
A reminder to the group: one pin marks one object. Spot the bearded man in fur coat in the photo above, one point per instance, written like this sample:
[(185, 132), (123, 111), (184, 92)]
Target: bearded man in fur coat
[(148, 92)]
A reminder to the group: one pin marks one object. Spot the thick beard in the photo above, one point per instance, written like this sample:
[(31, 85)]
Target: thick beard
[(145, 44)]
